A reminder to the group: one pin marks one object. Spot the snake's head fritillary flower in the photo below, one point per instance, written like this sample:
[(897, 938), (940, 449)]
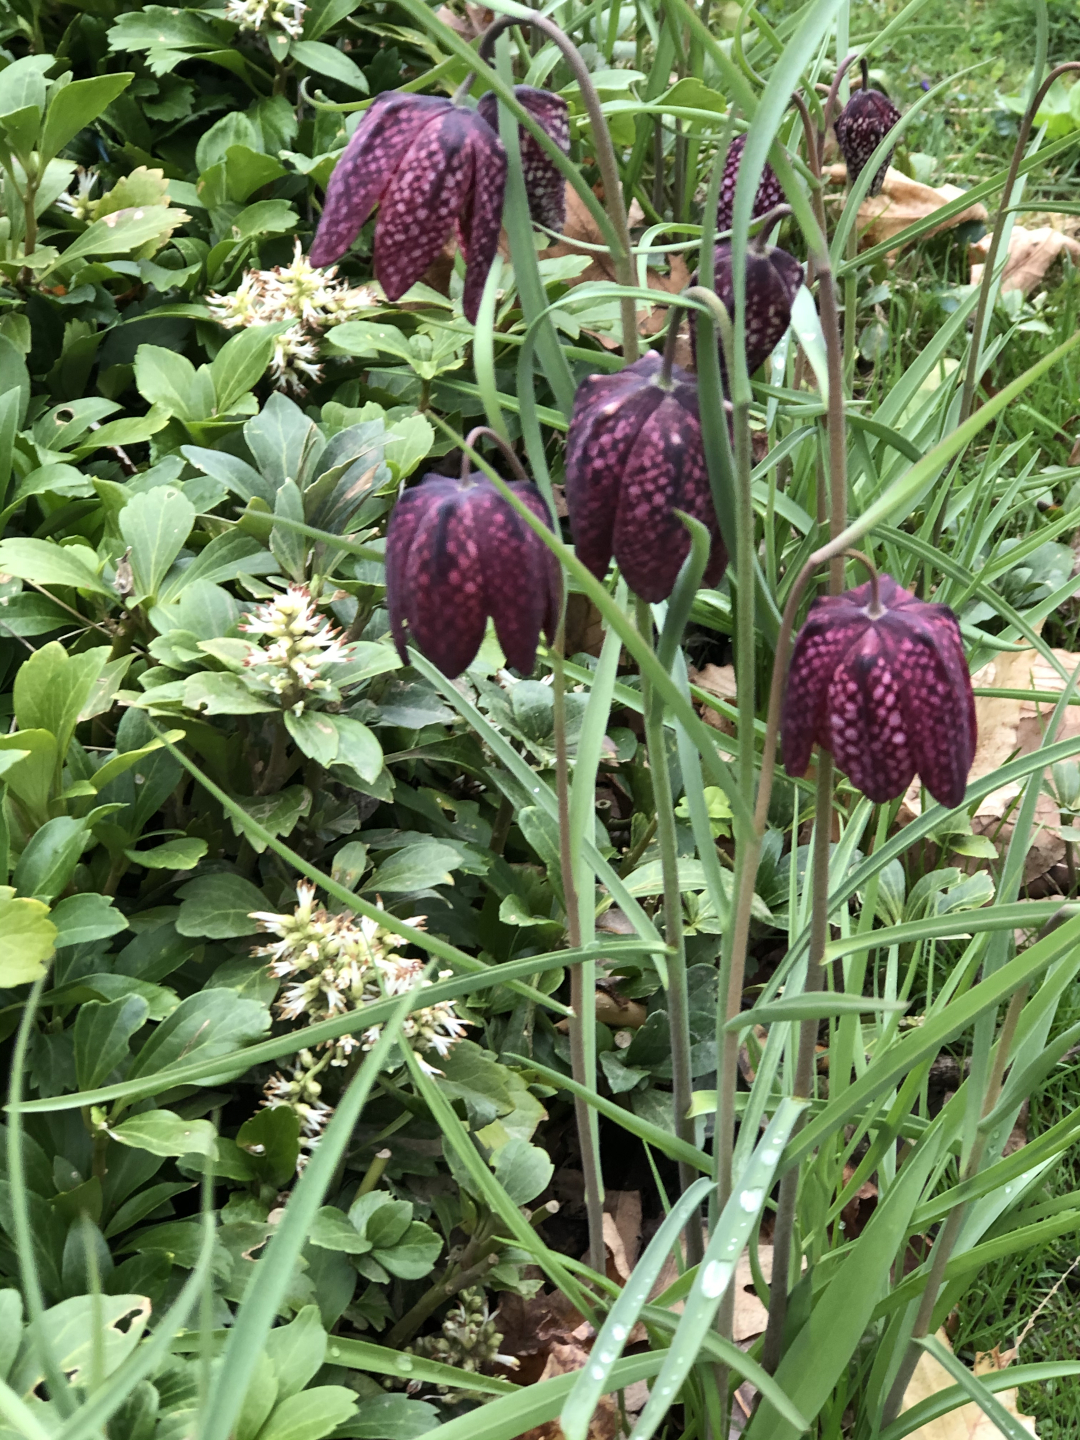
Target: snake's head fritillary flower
[(544, 184), (860, 128), (773, 278), (457, 553), (886, 690), (770, 192), (634, 456), (430, 166)]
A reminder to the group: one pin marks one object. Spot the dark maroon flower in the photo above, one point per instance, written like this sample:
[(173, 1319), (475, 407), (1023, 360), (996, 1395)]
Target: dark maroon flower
[(633, 457), (860, 128), (544, 183), (457, 552), (888, 694), (429, 165), (770, 192), (773, 278)]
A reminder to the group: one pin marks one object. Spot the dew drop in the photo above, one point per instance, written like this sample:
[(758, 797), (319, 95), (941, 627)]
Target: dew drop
[(769, 1157), (597, 1372), (334, 1352), (607, 1357), (404, 1364), (716, 1275), (618, 1332), (749, 1200)]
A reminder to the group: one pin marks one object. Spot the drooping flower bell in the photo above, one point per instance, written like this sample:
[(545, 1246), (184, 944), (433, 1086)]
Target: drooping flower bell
[(886, 690), (634, 456), (544, 184), (770, 192), (860, 128), (430, 166), (457, 553), (773, 278)]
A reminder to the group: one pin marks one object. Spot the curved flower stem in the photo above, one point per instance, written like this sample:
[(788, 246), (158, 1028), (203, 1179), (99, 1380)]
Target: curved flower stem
[(834, 94), (605, 158), (967, 399), (501, 442), (678, 995), (581, 995)]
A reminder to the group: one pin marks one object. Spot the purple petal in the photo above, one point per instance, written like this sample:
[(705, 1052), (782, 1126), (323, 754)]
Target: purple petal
[(444, 583), (544, 185), (366, 168), (481, 219), (609, 411), (769, 192), (871, 740), (409, 511), (860, 128), (772, 282), (515, 575), (665, 470), (830, 630), (425, 197), (939, 707), (549, 571)]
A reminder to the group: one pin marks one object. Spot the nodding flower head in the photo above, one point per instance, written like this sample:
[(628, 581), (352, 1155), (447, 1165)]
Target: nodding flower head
[(456, 553), (544, 184), (770, 192), (773, 278), (634, 456), (860, 128), (430, 166), (886, 691)]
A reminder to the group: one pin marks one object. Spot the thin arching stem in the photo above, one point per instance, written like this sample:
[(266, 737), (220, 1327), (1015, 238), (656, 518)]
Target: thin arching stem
[(605, 157), (511, 459), (971, 378)]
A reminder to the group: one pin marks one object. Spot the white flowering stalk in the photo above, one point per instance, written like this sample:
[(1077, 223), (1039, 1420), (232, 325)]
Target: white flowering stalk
[(334, 964), (314, 299), (82, 202), (287, 15), (298, 644)]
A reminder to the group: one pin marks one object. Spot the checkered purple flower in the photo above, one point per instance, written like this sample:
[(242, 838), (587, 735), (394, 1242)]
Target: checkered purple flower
[(457, 553), (544, 184), (773, 278), (634, 456), (770, 192), (430, 166), (888, 693), (860, 128)]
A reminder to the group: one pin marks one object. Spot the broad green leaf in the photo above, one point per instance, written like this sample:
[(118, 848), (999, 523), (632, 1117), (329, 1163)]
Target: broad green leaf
[(49, 564), (155, 525), (357, 747), (413, 1256), (216, 692), (102, 1036), (76, 105), (297, 1351), (271, 1139), (311, 1415), (327, 60), (49, 860), (316, 734), (85, 1336), (27, 940), (183, 853), (161, 1132), (416, 867), (207, 1024), (523, 1170), (14, 376), (123, 231), (332, 1231), (219, 906), (53, 688), (241, 363), (165, 378), (80, 919), (391, 1417)]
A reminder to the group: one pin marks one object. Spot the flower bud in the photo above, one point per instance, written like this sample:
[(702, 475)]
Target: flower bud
[(773, 278), (860, 128)]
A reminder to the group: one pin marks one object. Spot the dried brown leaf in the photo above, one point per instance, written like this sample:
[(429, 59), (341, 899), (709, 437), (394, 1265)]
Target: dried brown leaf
[(901, 202), (1031, 253), (967, 1422)]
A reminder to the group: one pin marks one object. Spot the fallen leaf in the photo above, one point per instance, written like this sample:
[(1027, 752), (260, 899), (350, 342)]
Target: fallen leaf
[(718, 680), (901, 202), (581, 226), (856, 1213), (605, 1422), (625, 1208), (967, 1422), (1031, 253), (472, 24)]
